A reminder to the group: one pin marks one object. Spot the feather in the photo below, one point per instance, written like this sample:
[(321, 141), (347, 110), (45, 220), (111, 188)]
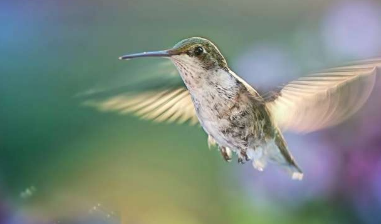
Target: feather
[(325, 98), (162, 98)]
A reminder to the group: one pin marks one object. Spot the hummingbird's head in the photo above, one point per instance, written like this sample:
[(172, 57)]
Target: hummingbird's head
[(194, 53), (198, 53)]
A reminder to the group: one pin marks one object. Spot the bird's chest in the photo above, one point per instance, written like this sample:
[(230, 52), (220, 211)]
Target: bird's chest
[(223, 107), (225, 115)]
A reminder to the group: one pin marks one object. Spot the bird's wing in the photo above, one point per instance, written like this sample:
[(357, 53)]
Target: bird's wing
[(161, 99), (324, 99)]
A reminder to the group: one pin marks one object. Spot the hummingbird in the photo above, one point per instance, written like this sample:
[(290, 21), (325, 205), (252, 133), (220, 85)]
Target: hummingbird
[(236, 118)]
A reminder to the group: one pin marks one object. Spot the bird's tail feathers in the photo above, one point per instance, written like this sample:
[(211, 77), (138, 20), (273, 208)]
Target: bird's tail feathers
[(281, 155)]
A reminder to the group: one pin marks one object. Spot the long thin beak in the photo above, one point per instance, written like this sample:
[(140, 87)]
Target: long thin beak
[(166, 53)]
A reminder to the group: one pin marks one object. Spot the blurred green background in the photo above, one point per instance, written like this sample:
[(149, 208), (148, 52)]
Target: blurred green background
[(61, 162)]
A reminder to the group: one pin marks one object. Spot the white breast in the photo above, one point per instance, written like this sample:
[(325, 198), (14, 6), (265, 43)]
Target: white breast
[(211, 90)]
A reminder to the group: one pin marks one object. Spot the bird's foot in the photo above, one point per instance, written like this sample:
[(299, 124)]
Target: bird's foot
[(226, 153), (242, 157)]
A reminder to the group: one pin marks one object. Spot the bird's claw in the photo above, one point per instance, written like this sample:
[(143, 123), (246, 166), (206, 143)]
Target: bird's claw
[(242, 157), (226, 153)]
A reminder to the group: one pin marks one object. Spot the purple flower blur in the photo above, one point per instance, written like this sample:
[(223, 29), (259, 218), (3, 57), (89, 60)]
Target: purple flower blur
[(353, 29), (266, 66), (319, 161)]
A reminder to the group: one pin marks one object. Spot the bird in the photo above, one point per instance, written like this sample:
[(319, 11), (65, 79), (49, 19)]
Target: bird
[(236, 117)]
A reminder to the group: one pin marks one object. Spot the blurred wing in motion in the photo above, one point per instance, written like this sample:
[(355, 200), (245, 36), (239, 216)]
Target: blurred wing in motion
[(324, 99), (161, 98)]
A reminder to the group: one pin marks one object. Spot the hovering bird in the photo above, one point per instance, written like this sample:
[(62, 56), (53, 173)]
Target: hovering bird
[(235, 116)]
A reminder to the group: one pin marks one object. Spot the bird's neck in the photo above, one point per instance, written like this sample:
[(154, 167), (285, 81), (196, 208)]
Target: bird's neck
[(215, 81)]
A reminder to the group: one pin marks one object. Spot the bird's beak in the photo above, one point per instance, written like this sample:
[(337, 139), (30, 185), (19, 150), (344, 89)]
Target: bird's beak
[(162, 54)]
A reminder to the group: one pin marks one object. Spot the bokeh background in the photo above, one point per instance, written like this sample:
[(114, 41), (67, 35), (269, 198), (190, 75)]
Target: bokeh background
[(61, 162)]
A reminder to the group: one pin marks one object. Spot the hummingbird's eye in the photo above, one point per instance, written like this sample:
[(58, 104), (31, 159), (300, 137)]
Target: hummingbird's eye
[(198, 51)]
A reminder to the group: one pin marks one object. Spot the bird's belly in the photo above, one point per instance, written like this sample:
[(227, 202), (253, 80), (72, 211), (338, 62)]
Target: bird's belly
[(226, 132), (228, 117), (213, 128)]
